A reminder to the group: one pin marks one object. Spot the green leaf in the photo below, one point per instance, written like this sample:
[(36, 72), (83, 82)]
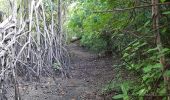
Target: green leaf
[(162, 1), (157, 65), (146, 23), (145, 77), (166, 13), (142, 44), (125, 55), (119, 96), (150, 67), (162, 91), (165, 50), (151, 50), (167, 73), (135, 44), (142, 92), (120, 35), (126, 97), (147, 69), (123, 89), (128, 48)]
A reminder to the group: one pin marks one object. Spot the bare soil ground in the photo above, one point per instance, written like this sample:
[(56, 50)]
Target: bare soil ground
[(89, 73)]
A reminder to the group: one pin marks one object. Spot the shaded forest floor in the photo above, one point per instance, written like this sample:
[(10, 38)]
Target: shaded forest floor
[(89, 73)]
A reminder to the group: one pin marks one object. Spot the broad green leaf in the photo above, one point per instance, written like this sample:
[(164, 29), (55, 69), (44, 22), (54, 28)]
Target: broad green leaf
[(157, 65), (162, 1), (126, 97), (135, 44), (162, 91), (166, 13), (119, 96), (147, 69), (125, 88), (151, 50), (150, 67), (142, 92)]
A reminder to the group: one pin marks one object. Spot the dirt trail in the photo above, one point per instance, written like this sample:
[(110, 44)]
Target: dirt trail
[(89, 74)]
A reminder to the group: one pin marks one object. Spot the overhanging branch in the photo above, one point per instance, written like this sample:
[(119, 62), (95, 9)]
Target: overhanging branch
[(131, 8)]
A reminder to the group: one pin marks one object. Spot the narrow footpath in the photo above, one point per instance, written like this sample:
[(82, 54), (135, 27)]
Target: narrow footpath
[(89, 73)]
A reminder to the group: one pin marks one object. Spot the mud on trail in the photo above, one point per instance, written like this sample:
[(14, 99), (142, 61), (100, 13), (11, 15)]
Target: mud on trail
[(89, 73)]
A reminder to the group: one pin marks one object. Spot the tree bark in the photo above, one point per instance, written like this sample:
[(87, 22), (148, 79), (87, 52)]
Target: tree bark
[(155, 19)]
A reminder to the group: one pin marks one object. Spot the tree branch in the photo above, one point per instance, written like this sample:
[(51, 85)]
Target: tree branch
[(131, 8)]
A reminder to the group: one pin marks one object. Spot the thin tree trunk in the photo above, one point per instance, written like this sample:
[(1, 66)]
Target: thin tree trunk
[(155, 18), (17, 94)]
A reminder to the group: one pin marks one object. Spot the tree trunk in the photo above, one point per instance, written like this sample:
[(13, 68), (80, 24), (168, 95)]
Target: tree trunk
[(155, 19)]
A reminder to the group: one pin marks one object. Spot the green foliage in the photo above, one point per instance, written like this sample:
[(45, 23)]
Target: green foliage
[(93, 41), (110, 86), (57, 66), (167, 73), (91, 26), (5, 7), (128, 32), (125, 88), (145, 61)]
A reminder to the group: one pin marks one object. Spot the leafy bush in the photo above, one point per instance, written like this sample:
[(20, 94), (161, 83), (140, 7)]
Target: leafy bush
[(93, 41)]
